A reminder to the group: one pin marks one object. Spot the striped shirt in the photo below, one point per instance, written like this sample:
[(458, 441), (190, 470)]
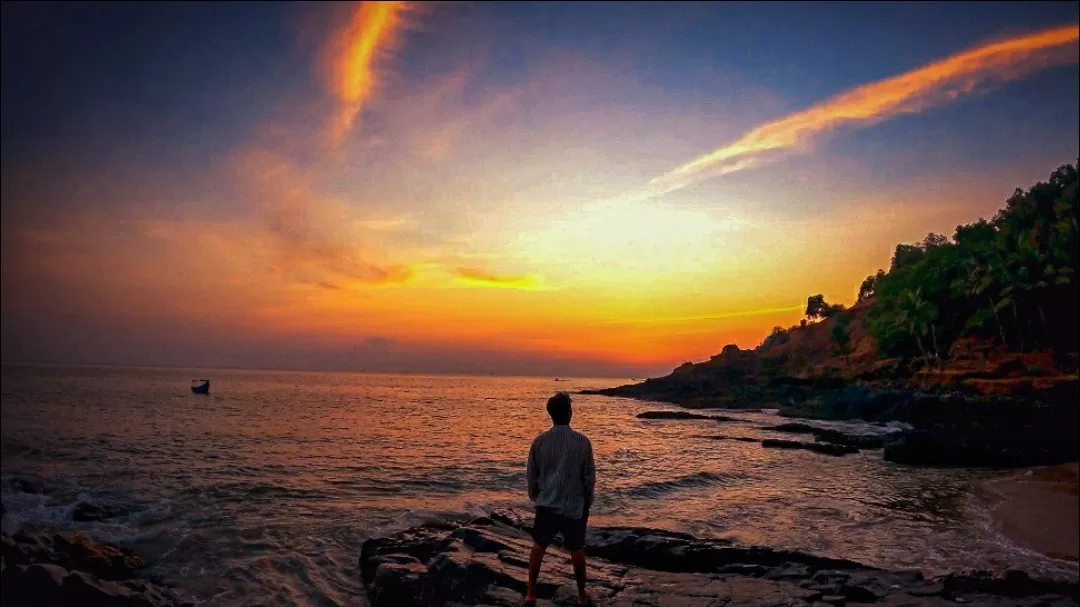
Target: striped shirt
[(561, 471)]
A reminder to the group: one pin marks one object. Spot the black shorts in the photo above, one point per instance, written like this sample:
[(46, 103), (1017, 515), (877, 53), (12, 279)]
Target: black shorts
[(549, 522)]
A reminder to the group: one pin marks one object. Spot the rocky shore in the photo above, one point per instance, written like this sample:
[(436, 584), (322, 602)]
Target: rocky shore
[(73, 569), (986, 410), (484, 561)]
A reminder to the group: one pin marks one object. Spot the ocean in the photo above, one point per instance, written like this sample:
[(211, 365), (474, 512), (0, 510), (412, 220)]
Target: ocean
[(263, 491)]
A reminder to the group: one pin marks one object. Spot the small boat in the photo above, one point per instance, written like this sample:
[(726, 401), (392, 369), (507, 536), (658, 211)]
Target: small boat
[(200, 386)]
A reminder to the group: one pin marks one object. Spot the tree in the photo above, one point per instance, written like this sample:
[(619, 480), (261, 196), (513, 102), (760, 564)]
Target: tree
[(866, 289), (816, 306), (933, 241)]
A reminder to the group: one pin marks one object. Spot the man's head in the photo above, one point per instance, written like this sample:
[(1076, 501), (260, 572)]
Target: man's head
[(558, 407)]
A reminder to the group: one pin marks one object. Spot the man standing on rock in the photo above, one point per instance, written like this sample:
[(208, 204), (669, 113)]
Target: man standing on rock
[(562, 476)]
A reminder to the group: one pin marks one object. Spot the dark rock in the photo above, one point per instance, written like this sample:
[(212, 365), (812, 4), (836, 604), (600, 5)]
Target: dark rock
[(25, 548), (72, 569), (398, 584), (789, 571), (744, 569), (29, 483), (792, 428), (630, 566), (741, 439), (827, 435), (1010, 583), (823, 448), (100, 559), (36, 584), (86, 512), (81, 588), (682, 415), (41, 584), (1009, 445), (421, 543), (929, 589), (512, 518), (828, 576), (853, 440)]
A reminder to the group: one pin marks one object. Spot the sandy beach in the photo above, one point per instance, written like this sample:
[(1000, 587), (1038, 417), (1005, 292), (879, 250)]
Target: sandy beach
[(1039, 510)]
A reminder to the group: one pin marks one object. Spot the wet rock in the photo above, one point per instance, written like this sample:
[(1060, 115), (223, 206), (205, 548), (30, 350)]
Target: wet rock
[(25, 548), (741, 439), (930, 589), (103, 560), (828, 435), (87, 512), (682, 415), (398, 584), (53, 585), (484, 562), (28, 483), (823, 448), (1010, 583), (1004, 444), (72, 569), (33, 584)]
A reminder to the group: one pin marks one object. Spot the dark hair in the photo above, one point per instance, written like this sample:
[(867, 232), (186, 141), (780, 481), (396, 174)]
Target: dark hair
[(558, 407)]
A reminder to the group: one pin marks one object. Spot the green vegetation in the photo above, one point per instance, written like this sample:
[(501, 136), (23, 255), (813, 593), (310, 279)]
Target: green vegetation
[(1010, 280), (840, 335)]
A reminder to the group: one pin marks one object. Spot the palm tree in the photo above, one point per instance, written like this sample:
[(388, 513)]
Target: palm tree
[(918, 315)]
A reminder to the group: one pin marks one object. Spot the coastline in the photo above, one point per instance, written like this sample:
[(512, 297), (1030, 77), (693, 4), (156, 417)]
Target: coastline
[(483, 562), (1037, 510)]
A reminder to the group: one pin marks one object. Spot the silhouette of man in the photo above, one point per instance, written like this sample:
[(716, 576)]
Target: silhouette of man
[(562, 477)]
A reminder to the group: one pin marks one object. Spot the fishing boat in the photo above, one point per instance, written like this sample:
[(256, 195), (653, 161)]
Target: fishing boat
[(200, 386)]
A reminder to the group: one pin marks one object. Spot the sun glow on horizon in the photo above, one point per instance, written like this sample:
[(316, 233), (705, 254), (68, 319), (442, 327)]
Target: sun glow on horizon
[(463, 189)]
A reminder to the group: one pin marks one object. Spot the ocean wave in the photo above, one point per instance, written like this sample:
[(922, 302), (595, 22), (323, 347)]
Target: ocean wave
[(698, 480)]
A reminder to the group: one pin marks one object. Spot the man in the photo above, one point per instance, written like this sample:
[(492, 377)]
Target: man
[(562, 476)]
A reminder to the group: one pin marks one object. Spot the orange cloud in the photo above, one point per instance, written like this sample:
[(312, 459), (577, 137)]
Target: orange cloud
[(370, 34), (911, 92), (314, 236), (483, 278)]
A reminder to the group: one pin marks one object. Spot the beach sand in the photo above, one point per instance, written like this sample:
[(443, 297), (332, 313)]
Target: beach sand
[(1040, 508)]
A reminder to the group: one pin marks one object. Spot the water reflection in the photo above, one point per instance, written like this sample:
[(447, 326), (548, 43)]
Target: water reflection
[(274, 480)]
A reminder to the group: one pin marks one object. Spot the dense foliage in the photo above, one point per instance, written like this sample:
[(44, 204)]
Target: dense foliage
[(1011, 280)]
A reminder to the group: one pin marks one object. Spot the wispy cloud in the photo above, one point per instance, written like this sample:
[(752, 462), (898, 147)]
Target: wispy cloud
[(911, 92), (370, 34), (483, 278), (312, 234)]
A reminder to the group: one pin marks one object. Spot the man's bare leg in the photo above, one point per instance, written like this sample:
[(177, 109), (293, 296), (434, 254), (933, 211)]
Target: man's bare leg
[(578, 559), (536, 557)]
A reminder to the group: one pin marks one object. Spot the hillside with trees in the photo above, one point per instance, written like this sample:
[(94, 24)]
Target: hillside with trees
[(977, 330), (1010, 280)]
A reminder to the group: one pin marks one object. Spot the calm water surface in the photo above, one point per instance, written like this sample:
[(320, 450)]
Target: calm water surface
[(264, 490)]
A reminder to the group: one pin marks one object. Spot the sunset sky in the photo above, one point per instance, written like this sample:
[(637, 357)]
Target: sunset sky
[(542, 189)]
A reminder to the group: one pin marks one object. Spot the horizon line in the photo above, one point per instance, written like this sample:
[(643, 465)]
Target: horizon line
[(298, 370)]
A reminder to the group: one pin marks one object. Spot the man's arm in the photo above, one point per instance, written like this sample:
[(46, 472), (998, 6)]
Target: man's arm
[(532, 473), (588, 477)]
